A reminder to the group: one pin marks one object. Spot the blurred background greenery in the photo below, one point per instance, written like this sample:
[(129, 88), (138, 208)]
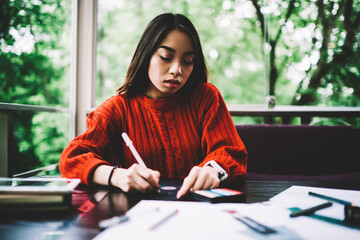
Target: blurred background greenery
[(304, 52)]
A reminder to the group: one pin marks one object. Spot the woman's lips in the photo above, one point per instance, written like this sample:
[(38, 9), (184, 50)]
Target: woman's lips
[(172, 83)]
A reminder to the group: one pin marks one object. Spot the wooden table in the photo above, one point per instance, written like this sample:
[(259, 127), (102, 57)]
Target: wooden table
[(93, 204)]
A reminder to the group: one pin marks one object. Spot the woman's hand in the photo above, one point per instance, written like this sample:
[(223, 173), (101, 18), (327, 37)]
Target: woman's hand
[(199, 178), (136, 178)]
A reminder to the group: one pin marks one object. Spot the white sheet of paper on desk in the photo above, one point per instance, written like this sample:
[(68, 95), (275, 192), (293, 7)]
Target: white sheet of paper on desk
[(194, 220), (200, 220)]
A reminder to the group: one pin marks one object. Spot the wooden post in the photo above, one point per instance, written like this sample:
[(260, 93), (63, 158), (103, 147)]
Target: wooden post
[(6, 140)]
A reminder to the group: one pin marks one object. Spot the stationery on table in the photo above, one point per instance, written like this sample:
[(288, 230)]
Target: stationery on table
[(217, 195), (329, 198), (163, 220), (311, 210), (36, 194), (306, 197), (251, 223), (120, 219), (351, 210)]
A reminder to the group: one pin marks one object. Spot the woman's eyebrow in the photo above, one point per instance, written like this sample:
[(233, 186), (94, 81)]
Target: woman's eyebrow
[(173, 50)]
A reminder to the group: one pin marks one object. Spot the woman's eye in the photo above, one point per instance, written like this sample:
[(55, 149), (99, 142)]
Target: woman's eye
[(167, 59), (188, 62)]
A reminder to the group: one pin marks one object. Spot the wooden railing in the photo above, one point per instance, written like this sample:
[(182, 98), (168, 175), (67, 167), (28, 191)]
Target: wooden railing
[(286, 112), (7, 130)]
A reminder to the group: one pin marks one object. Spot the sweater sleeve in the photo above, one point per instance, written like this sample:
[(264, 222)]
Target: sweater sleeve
[(220, 140), (88, 150)]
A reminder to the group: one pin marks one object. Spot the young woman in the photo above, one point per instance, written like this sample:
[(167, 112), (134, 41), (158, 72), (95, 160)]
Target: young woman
[(178, 122)]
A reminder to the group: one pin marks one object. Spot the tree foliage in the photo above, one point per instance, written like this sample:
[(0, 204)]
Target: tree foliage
[(302, 51), (331, 51), (32, 71)]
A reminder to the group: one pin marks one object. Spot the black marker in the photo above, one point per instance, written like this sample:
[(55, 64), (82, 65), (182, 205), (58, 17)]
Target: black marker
[(311, 210)]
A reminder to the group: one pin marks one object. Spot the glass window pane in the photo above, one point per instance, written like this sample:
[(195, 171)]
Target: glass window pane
[(39, 139), (230, 36), (314, 52), (35, 52), (35, 58)]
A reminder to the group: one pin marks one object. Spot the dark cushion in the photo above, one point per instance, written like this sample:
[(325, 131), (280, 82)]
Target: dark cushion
[(301, 149), (354, 176)]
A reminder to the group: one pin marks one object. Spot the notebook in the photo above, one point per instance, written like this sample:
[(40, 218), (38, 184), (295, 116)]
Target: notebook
[(36, 194)]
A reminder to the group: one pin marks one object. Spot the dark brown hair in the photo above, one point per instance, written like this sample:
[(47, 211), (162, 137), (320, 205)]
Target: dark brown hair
[(137, 79)]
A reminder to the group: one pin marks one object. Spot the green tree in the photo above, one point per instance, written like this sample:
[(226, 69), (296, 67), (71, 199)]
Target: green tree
[(30, 43), (332, 78), (339, 63)]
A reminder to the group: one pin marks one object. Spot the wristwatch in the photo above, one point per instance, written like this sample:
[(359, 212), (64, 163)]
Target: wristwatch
[(222, 173)]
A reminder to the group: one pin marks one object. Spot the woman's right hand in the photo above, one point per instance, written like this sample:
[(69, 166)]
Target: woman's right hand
[(136, 178)]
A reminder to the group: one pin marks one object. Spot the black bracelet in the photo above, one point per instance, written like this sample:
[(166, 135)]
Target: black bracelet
[(110, 175)]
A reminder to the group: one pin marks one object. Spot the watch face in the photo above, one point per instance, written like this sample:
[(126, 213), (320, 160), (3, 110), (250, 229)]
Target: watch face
[(220, 175)]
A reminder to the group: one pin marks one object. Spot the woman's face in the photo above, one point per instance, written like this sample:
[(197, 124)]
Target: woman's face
[(170, 65)]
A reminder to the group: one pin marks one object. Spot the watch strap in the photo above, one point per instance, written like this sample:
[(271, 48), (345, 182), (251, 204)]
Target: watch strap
[(222, 173)]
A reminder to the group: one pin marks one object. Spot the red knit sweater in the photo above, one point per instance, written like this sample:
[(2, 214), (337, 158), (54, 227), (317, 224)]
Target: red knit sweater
[(171, 135)]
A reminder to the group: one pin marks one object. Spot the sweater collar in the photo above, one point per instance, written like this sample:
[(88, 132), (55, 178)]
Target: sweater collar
[(159, 104)]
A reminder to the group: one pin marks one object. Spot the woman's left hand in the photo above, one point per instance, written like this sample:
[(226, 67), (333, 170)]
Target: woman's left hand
[(199, 178)]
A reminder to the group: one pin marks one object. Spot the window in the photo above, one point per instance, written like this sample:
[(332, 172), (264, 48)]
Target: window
[(304, 53), (313, 51), (34, 70), (230, 36)]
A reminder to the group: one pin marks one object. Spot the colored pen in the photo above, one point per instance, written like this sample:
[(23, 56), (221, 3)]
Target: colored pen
[(112, 221), (311, 210), (254, 225), (330, 198), (132, 149), (120, 219), (163, 220)]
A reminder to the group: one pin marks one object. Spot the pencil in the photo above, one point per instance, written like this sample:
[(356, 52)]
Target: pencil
[(329, 198), (133, 149), (310, 210), (164, 220)]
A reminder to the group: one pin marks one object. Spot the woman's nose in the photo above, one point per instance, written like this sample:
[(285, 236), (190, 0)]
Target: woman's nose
[(175, 69)]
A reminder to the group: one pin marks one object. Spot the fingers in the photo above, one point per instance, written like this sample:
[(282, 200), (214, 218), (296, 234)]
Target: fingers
[(199, 178), (207, 178), (188, 182), (149, 175), (137, 178)]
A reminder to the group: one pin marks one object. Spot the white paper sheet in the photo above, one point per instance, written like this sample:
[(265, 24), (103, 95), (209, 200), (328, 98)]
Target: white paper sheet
[(194, 220), (200, 220)]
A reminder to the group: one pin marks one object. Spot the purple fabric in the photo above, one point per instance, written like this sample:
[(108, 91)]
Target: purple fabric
[(301, 150)]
